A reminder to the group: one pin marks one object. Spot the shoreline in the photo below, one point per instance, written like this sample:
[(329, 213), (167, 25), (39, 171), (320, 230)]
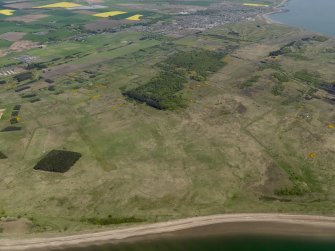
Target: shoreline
[(303, 225), (277, 9)]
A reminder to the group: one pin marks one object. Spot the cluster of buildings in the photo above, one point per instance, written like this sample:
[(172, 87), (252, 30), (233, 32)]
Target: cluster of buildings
[(213, 16)]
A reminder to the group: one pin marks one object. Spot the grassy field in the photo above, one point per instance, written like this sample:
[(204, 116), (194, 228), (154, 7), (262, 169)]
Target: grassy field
[(255, 136)]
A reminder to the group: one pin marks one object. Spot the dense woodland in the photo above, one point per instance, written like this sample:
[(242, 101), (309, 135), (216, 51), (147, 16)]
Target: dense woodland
[(165, 91), (161, 92), (58, 161)]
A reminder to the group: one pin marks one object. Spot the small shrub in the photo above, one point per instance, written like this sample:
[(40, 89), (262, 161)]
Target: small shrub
[(34, 100), (113, 221), (277, 89), (22, 88), (11, 129), (2, 156), (38, 66), (13, 120), (17, 107), (15, 113), (23, 76), (281, 77), (49, 81), (29, 95)]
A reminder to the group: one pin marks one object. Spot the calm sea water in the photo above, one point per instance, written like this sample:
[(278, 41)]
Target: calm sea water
[(219, 243), (313, 15)]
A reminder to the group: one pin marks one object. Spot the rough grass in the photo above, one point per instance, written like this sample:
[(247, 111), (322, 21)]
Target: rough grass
[(211, 157)]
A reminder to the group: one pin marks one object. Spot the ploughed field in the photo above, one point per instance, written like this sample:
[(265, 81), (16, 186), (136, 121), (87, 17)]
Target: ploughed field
[(110, 116)]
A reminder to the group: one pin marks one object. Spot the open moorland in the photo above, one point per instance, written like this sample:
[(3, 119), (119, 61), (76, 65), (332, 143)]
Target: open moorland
[(118, 112)]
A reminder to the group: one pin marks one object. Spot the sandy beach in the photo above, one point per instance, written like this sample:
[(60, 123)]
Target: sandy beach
[(270, 223)]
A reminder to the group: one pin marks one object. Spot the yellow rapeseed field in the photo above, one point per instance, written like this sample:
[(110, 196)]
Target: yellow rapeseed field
[(7, 12), (135, 17), (331, 126), (59, 5), (109, 14), (255, 4)]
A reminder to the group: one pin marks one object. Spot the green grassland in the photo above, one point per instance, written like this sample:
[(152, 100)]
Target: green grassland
[(252, 134)]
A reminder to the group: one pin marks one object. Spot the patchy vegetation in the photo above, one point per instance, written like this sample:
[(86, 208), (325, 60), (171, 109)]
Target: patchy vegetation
[(294, 191), (250, 82), (281, 77), (278, 89), (296, 46), (309, 78), (11, 129)]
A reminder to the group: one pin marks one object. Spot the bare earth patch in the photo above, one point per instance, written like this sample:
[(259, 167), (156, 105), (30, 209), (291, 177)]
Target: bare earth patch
[(3, 53), (15, 226), (12, 36), (23, 45), (27, 18)]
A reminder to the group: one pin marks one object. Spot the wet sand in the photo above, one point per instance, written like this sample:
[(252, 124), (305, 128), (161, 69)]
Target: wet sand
[(272, 224)]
